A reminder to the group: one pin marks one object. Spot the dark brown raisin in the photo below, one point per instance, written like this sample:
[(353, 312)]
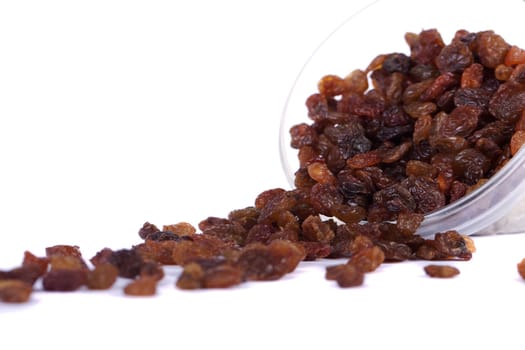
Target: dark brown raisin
[(64, 280), (521, 268), (127, 261), (147, 229)]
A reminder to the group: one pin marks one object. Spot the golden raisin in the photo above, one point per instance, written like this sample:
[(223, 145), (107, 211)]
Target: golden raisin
[(142, 286), (14, 291), (102, 277), (441, 271)]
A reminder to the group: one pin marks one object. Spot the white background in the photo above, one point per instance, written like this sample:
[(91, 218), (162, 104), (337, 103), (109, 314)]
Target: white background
[(113, 113)]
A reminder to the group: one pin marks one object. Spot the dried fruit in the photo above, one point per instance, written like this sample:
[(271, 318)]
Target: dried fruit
[(64, 280), (142, 286), (14, 291), (521, 268), (210, 273), (102, 277), (346, 275), (441, 271)]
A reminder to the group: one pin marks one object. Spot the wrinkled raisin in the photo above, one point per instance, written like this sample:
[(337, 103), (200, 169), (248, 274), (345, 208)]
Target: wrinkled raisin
[(14, 291), (441, 271), (346, 275), (64, 280), (102, 277), (142, 286)]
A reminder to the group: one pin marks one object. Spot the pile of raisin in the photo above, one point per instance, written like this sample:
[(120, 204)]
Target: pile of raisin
[(435, 125)]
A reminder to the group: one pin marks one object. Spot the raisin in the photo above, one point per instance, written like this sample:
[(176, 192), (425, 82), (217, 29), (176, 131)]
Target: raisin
[(408, 223), (349, 137), (147, 229), (389, 202), (64, 280), (517, 140), (320, 173), (142, 286), (357, 81), (491, 49), (422, 128), (160, 236), (503, 72), (397, 62), (472, 76), (246, 217), (368, 259), (364, 160), (425, 192), (515, 56), (332, 85), (396, 153), (152, 269), (521, 268), (441, 271), (313, 229), (269, 262), (520, 124), (457, 190), (441, 84), (15, 291), (420, 109), (209, 273), (475, 97), (101, 257), (422, 72), (25, 273), (425, 46), (518, 74), (454, 58), (102, 277), (65, 262), (462, 121), (302, 135), (224, 229), (127, 261), (180, 229), (346, 275), (508, 102), (395, 251), (418, 169), (470, 165), (451, 244)]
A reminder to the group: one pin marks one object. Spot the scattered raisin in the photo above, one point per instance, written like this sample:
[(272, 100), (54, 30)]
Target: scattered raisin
[(15, 291), (441, 271), (142, 286), (64, 280), (102, 277), (346, 275), (521, 268)]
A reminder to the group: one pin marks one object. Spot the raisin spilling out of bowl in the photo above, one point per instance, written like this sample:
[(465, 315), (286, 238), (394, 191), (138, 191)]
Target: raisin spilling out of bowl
[(434, 126)]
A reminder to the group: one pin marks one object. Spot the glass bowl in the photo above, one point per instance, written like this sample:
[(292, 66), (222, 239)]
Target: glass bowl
[(499, 205)]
